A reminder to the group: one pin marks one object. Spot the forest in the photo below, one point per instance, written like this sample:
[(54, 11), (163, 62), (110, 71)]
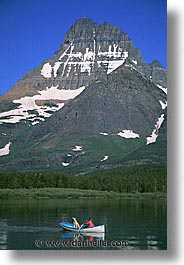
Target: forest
[(134, 179)]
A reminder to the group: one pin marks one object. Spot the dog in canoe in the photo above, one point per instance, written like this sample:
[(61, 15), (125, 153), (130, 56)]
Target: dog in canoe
[(75, 222)]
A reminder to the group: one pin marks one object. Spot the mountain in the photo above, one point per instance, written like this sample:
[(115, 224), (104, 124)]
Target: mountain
[(95, 102)]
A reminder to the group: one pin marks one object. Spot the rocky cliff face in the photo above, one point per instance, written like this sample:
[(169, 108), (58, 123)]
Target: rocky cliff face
[(123, 100)]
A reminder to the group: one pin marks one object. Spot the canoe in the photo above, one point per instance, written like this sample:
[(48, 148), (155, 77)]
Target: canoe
[(70, 227)]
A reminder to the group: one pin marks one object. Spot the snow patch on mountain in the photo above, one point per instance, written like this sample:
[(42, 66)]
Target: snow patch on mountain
[(104, 133), (65, 164), (109, 60), (164, 89), (113, 65), (29, 104), (128, 134), (61, 94), (35, 122), (154, 135), (104, 158), (46, 70), (56, 67), (5, 150), (89, 55), (77, 148), (163, 105), (113, 52)]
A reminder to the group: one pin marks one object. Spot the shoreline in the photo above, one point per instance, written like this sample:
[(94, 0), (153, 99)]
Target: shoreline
[(71, 193)]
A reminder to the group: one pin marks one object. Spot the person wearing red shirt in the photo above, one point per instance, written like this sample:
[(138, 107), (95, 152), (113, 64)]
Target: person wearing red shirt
[(89, 223)]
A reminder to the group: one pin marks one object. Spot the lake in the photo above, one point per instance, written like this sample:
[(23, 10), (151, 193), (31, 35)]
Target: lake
[(130, 223)]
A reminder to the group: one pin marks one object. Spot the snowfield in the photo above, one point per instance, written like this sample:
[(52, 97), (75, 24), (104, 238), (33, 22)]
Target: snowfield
[(29, 103), (5, 150), (164, 89), (110, 59), (128, 134), (104, 158), (154, 135), (163, 105), (77, 148)]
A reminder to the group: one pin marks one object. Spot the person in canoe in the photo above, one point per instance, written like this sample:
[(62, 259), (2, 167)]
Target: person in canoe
[(89, 223)]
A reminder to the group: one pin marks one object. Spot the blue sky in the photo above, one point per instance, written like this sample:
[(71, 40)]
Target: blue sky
[(32, 30)]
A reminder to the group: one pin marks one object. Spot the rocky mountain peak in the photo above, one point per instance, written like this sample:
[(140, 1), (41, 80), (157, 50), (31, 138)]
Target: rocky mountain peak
[(158, 74), (83, 28), (85, 32), (88, 52), (96, 89), (83, 22), (156, 63)]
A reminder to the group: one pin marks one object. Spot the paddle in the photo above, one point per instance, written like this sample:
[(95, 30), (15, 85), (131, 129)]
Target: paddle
[(81, 226)]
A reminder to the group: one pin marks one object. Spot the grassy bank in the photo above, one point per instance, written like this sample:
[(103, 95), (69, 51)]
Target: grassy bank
[(72, 193)]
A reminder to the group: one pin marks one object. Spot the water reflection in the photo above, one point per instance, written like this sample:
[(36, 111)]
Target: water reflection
[(83, 236), (143, 223)]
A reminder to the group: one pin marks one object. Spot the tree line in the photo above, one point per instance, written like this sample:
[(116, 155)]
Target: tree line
[(144, 178)]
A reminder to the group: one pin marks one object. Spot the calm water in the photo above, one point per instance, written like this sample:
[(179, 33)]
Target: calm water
[(141, 224)]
